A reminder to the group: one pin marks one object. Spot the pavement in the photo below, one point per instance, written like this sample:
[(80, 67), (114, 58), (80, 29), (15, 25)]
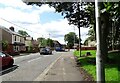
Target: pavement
[(63, 69)]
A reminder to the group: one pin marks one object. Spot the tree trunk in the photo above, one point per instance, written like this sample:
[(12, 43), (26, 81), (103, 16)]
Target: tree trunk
[(105, 30), (79, 42), (78, 9)]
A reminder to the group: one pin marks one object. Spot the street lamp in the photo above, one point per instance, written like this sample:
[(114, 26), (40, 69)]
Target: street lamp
[(100, 71)]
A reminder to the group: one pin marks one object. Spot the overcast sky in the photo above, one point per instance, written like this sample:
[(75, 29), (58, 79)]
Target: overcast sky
[(36, 21)]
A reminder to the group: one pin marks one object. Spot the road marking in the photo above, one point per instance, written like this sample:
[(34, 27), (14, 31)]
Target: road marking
[(63, 71), (42, 75), (33, 59), (47, 55), (22, 56)]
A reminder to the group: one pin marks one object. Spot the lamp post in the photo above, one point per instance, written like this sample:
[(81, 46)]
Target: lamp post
[(100, 71)]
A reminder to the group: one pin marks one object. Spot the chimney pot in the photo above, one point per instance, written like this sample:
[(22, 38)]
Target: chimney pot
[(11, 28)]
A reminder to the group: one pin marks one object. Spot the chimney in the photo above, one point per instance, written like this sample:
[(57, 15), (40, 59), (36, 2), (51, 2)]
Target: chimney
[(11, 28)]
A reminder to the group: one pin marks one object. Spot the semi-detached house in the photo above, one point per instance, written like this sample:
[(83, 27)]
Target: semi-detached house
[(16, 42)]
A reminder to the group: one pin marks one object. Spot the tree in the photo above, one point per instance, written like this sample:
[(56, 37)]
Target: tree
[(4, 44), (45, 42), (70, 39), (110, 13), (50, 42), (23, 33), (42, 41)]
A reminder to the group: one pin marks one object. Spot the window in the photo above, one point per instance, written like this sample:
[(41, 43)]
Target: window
[(2, 55), (15, 38)]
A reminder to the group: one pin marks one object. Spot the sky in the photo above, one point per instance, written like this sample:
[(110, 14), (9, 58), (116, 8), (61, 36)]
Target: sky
[(36, 21)]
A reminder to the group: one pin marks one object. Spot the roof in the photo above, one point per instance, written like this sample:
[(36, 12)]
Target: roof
[(10, 31)]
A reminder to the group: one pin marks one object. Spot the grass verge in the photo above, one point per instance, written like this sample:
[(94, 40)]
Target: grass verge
[(88, 63)]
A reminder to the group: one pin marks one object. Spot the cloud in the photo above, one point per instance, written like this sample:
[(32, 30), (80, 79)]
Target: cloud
[(15, 4), (28, 17), (56, 29), (19, 4), (17, 11), (15, 15)]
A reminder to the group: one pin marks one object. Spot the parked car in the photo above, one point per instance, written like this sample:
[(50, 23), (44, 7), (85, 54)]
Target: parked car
[(45, 50), (6, 59)]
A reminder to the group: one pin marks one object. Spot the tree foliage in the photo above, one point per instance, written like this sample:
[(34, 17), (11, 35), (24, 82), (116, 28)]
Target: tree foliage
[(71, 38), (113, 11), (45, 42), (50, 42), (23, 33)]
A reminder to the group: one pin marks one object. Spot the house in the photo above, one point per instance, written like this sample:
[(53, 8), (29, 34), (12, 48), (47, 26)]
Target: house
[(0, 39), (16, 42), (58, 46), (91, 43), (28, 42), (31, 44)]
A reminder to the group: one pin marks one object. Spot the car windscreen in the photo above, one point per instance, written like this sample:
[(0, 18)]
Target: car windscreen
[(43, 49), (2, 55)]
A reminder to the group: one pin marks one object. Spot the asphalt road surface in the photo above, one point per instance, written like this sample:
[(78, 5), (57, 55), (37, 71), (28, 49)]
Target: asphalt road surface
[(29, 67)]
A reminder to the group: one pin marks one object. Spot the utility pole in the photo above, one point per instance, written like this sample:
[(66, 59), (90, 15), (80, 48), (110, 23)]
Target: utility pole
[(100, 70)]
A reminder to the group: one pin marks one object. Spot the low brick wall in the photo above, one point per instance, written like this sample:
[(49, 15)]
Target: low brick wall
[(87, 48)]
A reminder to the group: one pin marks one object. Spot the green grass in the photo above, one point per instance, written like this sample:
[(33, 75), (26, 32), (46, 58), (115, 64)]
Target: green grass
[(88, 63)]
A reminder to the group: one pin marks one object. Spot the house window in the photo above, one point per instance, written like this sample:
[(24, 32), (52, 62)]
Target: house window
[(15, 38), (16, 48)]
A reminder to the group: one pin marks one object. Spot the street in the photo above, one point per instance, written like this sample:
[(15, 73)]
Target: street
[(29, 67)]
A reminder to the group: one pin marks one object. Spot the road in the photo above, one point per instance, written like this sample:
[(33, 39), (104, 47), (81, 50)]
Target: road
[(29, 67)]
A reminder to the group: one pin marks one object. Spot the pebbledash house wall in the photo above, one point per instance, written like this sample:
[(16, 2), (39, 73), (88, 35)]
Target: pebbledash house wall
[(8, 37)]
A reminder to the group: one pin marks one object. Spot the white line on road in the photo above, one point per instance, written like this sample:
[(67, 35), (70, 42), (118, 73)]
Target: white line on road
[(34, 59), (19, 57), (41, 76)]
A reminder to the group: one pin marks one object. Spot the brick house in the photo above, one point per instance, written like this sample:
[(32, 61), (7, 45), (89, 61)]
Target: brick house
[(16, 42)]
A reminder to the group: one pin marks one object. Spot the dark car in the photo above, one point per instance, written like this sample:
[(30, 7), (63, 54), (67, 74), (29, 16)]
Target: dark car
[(45, 50), (59, 49), (6, 59)]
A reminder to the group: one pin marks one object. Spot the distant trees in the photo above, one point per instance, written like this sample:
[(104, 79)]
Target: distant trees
[(23, 33), (42, 41), (71, 38), (45, 42), (50, 42)]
